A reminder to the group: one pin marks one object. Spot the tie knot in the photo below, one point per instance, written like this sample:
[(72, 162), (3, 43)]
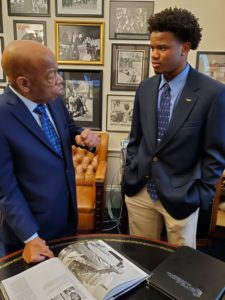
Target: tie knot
[(40, 109), (166, 87)]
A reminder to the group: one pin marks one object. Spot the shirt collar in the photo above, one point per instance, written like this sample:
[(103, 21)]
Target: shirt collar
[(181, 77), (29, 103)]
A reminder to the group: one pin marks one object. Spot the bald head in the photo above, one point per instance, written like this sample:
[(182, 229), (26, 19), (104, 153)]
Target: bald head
[(22, 58), (31, 69)]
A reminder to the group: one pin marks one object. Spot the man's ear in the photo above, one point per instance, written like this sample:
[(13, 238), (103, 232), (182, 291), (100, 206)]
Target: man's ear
[(186, 48), (23, 83)]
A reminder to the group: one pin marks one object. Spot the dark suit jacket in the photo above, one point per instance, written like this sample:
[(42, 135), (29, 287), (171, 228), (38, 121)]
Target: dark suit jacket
[(191, 157), (37, 187)]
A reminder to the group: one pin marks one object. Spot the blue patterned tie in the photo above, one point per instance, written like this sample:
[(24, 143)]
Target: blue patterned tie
[(48, 128), (163, 122)]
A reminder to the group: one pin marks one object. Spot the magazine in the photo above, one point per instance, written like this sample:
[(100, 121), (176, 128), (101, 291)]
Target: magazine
[(84, 270)]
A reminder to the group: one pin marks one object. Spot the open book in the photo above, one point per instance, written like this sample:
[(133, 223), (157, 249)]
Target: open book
[(84, 270)]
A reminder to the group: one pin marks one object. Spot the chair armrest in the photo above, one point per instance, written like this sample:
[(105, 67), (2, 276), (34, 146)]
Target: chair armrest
[(101, 172)]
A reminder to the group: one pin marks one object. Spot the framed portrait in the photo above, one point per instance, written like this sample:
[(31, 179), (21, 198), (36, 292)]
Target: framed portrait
[(130, 65), (79, 42), (2, 89), (30, 30), (1, 21), (83, 96), (211, 64), (129, 19), (85, 8), (32, 8), (119, 112), (2, 74)]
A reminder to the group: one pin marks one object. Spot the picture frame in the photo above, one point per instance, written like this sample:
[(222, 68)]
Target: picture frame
[(83, 96), (30, 30), (1, 21), (2, 74), (29, 8), (93, 8), (119, 112), (2, 89), (130, 65), (128, 20), (211, 63), (79, 42)]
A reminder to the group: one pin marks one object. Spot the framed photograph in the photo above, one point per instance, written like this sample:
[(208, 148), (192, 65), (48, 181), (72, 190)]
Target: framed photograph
[(83, 96), (128, 19), (2, 89), (130, 65), (1, 22), (32, 8), (119, 112), (2, 74), (79, 8), (30, 30), (211, 64), (80, 42)]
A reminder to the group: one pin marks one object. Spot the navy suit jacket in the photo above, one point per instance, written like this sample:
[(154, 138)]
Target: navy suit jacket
[(191, 157), (37, 186)]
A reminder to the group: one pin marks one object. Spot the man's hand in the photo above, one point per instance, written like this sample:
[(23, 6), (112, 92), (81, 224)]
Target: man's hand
[(87, 138), (36, 251)]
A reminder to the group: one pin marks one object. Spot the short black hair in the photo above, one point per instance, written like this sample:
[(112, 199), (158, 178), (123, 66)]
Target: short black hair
[(181, 22)]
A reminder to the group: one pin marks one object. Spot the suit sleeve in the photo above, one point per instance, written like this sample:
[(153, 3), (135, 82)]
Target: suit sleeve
[(213, 161), (13, 205), (135, 133)]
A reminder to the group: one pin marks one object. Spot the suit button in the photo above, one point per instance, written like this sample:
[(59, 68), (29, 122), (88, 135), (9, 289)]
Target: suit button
[(155, 158)]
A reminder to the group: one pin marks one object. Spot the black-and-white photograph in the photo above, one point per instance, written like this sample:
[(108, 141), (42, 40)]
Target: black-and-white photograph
[(93, 264), (130, 65), (79, 99), (30, 30), (79, 8), (35, 8), (70, 293), (2, 74), (128, 20), (79, 43), (119, 112), (1, 22), (2, 89), (211, 64), (83, 96)]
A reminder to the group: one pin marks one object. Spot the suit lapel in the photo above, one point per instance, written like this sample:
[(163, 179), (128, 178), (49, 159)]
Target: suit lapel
[(185, 105), (150, 113), (23, 115)]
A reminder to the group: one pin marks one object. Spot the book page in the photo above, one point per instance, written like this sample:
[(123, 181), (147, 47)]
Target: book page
[(101, 269), (49, 280)]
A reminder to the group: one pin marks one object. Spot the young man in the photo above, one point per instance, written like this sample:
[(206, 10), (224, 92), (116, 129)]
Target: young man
[(176, 151), (37, 182)]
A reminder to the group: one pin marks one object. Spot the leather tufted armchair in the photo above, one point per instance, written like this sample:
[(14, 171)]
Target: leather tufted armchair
[(90, 171)]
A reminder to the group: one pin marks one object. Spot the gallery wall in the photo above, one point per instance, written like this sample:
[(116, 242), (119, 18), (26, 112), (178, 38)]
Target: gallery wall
[(211, 18)]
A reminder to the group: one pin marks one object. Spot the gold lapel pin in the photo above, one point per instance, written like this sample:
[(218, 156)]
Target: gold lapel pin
[(188, 100)]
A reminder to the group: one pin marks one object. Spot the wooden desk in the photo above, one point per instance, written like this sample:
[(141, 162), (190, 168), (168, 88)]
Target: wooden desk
[(146, 253)]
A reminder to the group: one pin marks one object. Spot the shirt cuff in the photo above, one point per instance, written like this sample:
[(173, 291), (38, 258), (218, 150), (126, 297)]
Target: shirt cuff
[(31, 238)]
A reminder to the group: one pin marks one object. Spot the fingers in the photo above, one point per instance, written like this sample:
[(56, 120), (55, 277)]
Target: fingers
[(36, 251), (87, 138)]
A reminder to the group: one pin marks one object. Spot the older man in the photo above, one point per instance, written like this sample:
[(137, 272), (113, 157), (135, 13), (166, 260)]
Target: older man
[(37, 183)]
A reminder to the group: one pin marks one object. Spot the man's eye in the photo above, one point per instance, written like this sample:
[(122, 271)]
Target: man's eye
[(51, 78)]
